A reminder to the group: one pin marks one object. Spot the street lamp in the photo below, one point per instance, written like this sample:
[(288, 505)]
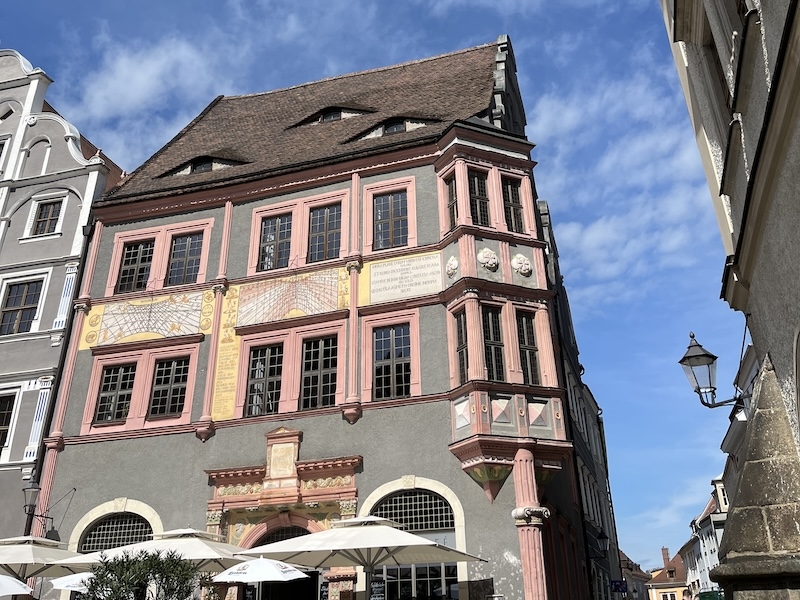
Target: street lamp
[(31, 493), (700, 367), (602, 543)]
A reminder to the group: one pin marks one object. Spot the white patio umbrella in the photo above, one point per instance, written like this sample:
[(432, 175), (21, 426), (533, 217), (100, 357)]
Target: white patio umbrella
[(77, 582), (10, 586), (366, 542), (199, 547), (259, 569), (28, 556)]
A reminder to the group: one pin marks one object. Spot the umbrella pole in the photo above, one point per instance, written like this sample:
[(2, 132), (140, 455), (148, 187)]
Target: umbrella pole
[(369, 571)]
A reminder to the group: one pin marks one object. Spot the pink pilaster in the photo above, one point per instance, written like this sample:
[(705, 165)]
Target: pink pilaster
[(529, 520), (226, 241), (477, 360), (206, 427), (352, 406)]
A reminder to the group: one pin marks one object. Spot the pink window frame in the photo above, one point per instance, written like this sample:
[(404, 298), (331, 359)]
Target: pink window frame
[(368, 324), (525, 197), (305, 207), (292, 363), (492, 186), (145, 361), (273, 210), (163, 241), (371, 190), (444, 215)]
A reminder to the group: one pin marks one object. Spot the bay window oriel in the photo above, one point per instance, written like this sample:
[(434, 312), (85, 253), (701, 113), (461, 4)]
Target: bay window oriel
[(485, 196)]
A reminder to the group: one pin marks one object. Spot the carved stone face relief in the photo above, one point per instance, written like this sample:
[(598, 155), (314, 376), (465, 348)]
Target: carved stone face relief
[(451, 268), (521, 265)]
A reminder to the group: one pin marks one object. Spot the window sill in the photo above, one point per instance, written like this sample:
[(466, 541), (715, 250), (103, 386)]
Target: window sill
[(39, 238)]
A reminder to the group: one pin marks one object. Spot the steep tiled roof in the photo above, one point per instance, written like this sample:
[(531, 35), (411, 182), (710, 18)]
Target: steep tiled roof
[(271, 132), (675, 565)]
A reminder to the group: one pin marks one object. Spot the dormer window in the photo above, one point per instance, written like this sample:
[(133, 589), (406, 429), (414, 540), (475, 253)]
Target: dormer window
[(202, 165), (5, 113), (332, 115), (394, 127)]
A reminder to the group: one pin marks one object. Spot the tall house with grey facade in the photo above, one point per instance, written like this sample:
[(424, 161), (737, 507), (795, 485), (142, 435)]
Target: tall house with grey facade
[(739, 66), (49, 177), (324, 302)]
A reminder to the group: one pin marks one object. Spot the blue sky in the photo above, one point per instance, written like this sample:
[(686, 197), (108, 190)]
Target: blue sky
[(639, 246)]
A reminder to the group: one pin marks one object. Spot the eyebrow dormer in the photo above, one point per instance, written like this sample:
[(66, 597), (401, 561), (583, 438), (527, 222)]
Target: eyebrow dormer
[(393, 126), (206, 163)]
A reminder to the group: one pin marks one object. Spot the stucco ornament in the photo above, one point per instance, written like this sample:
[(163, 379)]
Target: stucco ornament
[(31, 120), (521, 265), (451, 268), (488, 259)]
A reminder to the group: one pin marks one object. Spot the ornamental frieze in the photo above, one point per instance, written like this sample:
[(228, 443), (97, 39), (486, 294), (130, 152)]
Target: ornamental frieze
[(327, 482), (241, 489)]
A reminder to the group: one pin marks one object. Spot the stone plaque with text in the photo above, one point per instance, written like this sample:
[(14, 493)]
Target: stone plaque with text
[(405, 278)]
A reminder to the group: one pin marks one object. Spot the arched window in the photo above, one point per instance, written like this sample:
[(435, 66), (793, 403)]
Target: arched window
[(284, 533), (429, 515), (117, 529)]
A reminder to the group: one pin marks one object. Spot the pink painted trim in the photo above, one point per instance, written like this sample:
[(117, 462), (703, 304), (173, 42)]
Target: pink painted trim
[(353, 364), (291, 376), (497, 214), (477, 360), (505, 262), (544, 344), (355, 185), (46, 483), (137, 413), (529, 207), (91, 260), (163, 237), (68, 375), (462, 193), (306, 206), (385, 187), (226, 241), (273, 210), (368, 324), (468, 256), (213, 352), (441, 194), (279, 521)]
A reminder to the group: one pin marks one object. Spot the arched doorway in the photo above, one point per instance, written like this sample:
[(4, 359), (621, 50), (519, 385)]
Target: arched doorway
[(288, 590)]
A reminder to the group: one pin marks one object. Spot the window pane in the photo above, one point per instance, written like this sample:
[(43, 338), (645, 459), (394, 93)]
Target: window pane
[(6, 410), (19, 307), (134, 272), (461, 346), (325, 225), (390, 220), (493, 344), (392, 358), (47, 215), (512, 205), (169, 387), (528, 354), (318, 387), (478, 198), (184, 259), (264, 380), (275, 247), (116, 388)]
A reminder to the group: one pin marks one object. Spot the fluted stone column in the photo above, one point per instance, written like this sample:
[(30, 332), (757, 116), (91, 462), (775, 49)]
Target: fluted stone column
[(529, 520)]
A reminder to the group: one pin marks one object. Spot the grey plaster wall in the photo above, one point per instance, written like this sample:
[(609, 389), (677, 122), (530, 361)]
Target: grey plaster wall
[(435, 367), (167, 472), (12, 516)]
